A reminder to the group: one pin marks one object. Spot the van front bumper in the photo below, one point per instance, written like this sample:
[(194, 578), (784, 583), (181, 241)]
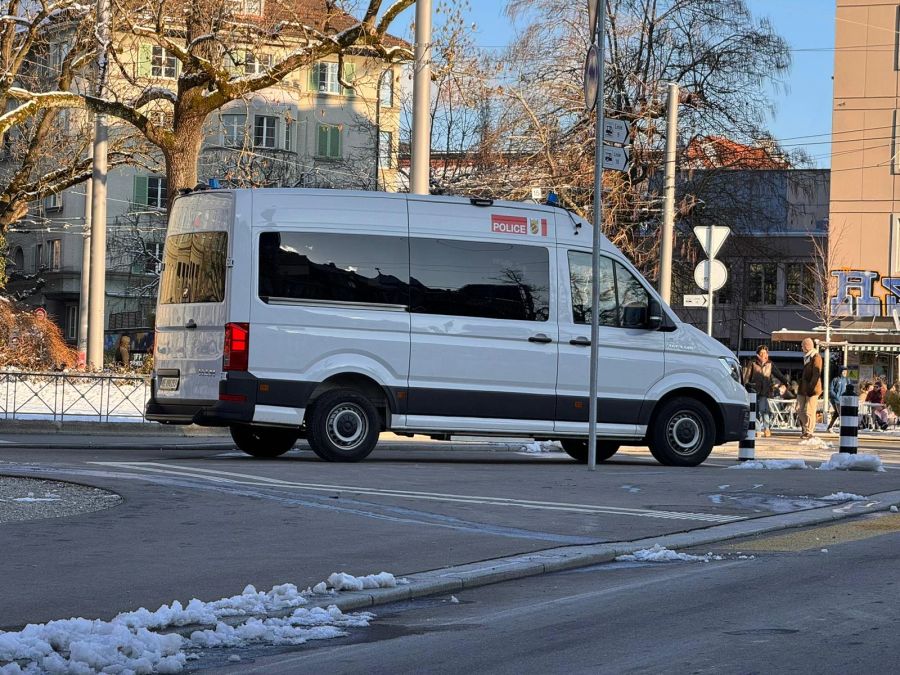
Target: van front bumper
[(735, 421), (240, 388)]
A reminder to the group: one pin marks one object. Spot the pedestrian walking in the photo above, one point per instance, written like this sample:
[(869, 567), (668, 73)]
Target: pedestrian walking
[(760, 374), (809, 389), (835, 391)]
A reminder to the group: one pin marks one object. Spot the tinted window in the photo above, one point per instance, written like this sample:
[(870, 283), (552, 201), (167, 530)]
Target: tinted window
[(334, 267), (194, 268), (633, 299), (580, 277), (484, 279)]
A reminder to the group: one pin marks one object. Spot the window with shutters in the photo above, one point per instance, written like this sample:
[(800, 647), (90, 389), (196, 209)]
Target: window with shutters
[(328, 143), (234, 130), (323, 78), (264, 131), (150, 191), (163, 64)]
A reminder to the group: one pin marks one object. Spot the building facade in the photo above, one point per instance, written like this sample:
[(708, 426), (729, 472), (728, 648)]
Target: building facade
[(309, 131)]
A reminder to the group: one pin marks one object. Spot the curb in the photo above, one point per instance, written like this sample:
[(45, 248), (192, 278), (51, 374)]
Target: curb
[(83, 428), (473, 575)]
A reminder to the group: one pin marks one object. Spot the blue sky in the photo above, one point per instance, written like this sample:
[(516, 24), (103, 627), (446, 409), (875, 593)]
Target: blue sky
[(802, 115)]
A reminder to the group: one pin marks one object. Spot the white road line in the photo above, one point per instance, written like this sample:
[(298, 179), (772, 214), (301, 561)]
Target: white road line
[(248, 479)]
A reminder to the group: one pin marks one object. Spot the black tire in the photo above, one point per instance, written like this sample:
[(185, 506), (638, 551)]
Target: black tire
[(683, 432), (343, 426), (577, 449), (263, 441)]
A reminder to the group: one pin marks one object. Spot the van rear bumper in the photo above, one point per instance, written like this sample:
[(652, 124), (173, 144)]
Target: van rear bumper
[(208, 413)]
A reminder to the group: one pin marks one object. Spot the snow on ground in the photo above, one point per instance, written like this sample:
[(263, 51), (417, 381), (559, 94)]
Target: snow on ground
[(30, 499), (843, 461), (815, 442), (136, 641), (843, 497), (894, 509), (771, 464), (541, 446), (74, 397), (662, 554)]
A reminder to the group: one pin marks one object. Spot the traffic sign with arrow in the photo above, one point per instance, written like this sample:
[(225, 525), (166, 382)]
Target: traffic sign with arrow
[(615, 158), (616, 131)]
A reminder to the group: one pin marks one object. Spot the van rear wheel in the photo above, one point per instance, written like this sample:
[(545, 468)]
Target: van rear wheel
[(577, 449), (683, 433), (263, 441), (343, 426)]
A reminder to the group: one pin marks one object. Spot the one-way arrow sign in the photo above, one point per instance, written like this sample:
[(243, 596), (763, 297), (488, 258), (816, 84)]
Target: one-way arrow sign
[(616, 131), (615, 158)]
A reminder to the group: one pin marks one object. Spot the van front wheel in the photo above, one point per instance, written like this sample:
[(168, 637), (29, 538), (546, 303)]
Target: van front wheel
[(263, 441), (343, 426), (577, 449), (683, 433)]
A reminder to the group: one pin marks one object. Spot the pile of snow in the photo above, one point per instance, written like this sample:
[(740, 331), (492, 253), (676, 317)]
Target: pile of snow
[(136, 641), (815, 442), (843, 461), (542, 446), (843, 497), (771, 464), (340, 581), (894, 508), (30, 499), (662, 554)]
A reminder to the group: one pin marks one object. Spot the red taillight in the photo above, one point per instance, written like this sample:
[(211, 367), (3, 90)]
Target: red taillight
[(234, 398), (237, 346)]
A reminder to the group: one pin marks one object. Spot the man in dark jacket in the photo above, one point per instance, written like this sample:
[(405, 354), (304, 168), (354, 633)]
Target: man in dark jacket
[(810, 389), (835, 391), (759, 373)]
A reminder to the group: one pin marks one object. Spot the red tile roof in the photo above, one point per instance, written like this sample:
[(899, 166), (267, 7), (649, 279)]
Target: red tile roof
[(718, 152)]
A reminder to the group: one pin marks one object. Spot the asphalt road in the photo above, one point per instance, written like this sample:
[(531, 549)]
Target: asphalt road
[(797, 611), (204, 523)]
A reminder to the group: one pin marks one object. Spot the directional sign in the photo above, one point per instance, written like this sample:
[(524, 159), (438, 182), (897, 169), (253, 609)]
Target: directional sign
[(616, 131), (719, 275), (591, 77), (696, 300), (719, 235), (615, 158)]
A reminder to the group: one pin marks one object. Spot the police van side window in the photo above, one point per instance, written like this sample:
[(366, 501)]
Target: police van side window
[(333, 268), (492, 280), (580, 282)]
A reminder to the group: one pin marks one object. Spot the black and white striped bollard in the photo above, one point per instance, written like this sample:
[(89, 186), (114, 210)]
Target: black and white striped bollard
[(747, 445), (849, 420)]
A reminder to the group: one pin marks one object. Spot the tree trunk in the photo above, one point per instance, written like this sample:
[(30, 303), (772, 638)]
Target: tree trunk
[(182, 158)]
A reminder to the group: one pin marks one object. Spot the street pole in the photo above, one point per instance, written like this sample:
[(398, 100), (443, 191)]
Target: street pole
[(668, 228), (420, 156), (83, 306), (96, 305), (378, 124), (709, 281), (827, 373), (599, 37)]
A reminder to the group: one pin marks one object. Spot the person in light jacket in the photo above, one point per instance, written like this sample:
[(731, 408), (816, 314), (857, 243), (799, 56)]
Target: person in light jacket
[(760, 373)]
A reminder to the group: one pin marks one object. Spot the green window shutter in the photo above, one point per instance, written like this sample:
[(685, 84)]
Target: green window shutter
[(145, 60), (349, 76), (322, 142), (139, 196), (314, 77), (335, 145)]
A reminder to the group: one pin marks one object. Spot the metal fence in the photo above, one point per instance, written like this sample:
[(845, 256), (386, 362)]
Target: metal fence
[(62, 396)]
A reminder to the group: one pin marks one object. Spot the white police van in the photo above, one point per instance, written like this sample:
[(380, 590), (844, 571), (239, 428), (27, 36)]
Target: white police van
[(336, 315)]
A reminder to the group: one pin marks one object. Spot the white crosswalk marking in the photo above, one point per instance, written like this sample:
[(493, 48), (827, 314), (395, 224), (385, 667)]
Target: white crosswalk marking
[(218, 476)]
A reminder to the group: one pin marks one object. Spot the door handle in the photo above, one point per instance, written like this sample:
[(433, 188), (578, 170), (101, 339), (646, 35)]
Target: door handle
[(580, 342), (191, 324), (540, 338)]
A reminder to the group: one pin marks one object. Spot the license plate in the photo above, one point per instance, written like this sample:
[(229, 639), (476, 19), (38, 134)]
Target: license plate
[(168, 383)]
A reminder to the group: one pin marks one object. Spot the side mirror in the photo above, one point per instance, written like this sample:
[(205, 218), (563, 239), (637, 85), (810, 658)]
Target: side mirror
[(654, 315)]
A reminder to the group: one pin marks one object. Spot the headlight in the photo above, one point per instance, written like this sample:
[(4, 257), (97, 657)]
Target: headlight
[(732, 366)]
